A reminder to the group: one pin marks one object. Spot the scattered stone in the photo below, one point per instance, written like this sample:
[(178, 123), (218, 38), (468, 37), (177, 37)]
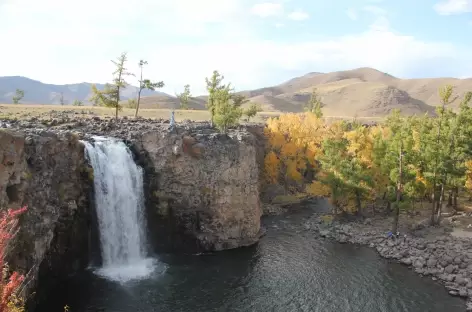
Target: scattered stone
[(463, 293), (324, 233), (449, 269), (431, 262), (460, 280), (418, 264)]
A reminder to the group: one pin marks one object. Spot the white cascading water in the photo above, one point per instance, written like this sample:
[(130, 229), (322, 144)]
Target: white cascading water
[(119, 202)]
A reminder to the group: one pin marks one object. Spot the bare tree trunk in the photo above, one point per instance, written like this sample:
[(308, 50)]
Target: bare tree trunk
[(454, 197), (139, 92), (399, 191), (440, 203), (433, 205), (359, 204), (137, 103), (117, 100), (438, 137)]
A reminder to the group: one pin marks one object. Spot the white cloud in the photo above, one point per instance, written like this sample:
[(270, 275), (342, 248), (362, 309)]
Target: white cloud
[(279, 25), (185, 40), (449, 7), (267, 9), (376, 10), (381, 21), (298, 15), (352, 14)]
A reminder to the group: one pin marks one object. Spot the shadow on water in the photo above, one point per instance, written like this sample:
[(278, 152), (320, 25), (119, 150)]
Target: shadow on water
[(289, 270)]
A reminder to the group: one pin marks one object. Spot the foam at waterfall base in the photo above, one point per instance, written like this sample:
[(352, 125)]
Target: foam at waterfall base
[(139, 269)]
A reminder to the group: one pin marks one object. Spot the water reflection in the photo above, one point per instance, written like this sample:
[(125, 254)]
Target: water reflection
[(289, 270)]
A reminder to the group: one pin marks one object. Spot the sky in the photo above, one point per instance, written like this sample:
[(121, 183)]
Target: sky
[(252, 43)]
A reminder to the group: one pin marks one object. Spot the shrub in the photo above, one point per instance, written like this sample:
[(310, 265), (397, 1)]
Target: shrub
[(10, 284)]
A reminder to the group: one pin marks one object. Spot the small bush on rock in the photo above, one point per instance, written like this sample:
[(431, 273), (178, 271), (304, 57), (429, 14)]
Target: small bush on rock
[(10, 284)]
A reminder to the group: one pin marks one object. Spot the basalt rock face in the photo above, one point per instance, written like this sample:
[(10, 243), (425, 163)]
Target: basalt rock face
[(47, 173), (202, 187)]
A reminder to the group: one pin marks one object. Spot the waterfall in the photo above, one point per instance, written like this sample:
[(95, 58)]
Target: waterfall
[(119, 201)]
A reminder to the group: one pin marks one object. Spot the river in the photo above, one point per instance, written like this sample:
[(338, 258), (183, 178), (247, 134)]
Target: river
[(288, 270)]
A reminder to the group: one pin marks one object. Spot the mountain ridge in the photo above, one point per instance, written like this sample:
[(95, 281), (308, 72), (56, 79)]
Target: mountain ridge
[(37, 92), (356, 92)]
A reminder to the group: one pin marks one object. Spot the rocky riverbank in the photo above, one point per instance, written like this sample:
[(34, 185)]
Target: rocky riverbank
[(430, 251)]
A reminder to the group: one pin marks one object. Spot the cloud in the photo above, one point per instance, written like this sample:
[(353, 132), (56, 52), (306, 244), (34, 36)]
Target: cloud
[(376, 10), (185, 40), (298, 15), (279, 25), (352, 14), (381, 21), (450, 7), (267, 9)]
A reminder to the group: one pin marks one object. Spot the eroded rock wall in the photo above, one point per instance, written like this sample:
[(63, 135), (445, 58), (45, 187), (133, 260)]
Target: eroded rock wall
[(202, 187), (46, 172)]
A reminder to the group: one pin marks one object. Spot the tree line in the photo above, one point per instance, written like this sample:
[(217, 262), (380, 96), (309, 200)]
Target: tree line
[(404, 161), (224, 105), (20, 94)]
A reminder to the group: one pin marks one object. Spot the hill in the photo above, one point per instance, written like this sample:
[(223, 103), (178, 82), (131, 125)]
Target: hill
[(362, 92), (357, 92), (37, 92)]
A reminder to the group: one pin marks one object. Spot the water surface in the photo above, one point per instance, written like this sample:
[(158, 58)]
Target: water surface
[(289, 270)]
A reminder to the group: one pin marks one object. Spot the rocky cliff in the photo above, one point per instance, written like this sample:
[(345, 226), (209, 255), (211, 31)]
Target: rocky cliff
[(202, 187), (46, 172)]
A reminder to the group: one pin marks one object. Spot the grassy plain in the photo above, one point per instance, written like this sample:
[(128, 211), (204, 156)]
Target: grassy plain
[(20, 111)]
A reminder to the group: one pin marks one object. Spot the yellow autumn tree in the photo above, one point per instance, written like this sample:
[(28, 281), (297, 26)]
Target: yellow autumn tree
[(293, 140), (395, 163)]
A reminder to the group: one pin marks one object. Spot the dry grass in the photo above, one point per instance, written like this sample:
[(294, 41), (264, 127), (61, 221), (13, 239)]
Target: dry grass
[(42, 111), (22, 111)]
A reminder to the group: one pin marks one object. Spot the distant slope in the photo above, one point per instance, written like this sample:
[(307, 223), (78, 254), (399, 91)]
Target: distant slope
[(362, 92), (357, 92), (37, 92), (167, 101)]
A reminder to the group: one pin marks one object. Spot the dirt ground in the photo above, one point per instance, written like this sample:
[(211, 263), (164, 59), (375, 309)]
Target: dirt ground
[(416, 222)]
